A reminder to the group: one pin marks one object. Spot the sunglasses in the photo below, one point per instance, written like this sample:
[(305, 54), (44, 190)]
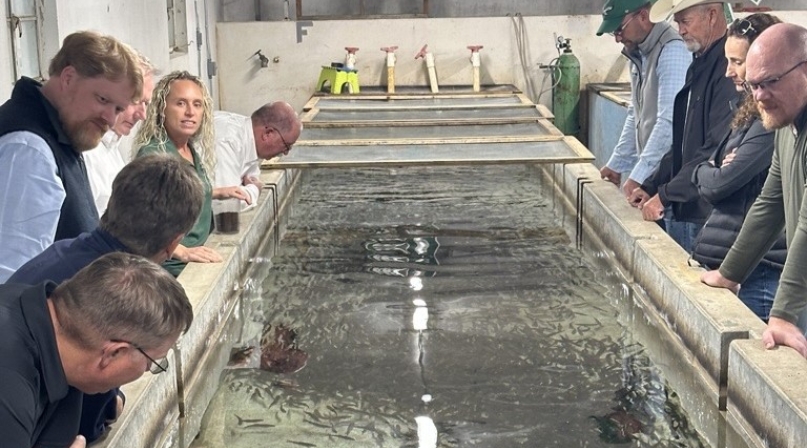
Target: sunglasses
[(743, 27)]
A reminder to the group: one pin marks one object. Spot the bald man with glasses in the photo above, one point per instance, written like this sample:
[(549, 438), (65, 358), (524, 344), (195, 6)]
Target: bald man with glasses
[(659, 61), (242, 142), (776, 75)]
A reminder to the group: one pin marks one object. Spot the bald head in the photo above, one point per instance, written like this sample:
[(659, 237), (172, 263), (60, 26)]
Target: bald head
[(785, 42), (776, 72), (276, 127)]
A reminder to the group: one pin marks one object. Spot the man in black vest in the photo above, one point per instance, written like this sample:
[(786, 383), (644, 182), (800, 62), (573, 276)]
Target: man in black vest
[(45, 194), (701, 118)]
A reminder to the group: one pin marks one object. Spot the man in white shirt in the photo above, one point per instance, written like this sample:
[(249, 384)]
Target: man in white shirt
[(242, 142), (105, 161)]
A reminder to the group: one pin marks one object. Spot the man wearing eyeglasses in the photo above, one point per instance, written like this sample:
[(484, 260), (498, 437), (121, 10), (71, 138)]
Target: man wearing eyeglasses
[(135, 222), (659, 61), (701, 119), (56, 343), (776, 75), (242, 142)]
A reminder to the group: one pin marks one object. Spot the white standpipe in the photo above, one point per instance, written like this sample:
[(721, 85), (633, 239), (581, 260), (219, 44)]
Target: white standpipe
[(429, 58), (390, 67), (350, 58), (476, 62)]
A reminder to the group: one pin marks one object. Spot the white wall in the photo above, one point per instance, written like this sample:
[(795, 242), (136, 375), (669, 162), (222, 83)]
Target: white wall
[(244, 86), (142, 24)]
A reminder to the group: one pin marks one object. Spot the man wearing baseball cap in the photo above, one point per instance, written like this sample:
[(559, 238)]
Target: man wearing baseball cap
[(701, 118), (659, 61)]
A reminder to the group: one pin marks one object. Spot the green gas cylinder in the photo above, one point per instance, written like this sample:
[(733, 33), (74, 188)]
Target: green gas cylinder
[(566, 94)]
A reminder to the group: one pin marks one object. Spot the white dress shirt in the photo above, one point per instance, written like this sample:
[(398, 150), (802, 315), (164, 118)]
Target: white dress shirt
[(236, 155), (104, 162)]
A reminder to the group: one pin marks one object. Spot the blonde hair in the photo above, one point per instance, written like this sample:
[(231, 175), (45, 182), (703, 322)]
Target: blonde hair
[(153, 127)]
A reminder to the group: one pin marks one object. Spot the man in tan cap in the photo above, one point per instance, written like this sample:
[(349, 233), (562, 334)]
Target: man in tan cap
[(659, 61), (701, 118)]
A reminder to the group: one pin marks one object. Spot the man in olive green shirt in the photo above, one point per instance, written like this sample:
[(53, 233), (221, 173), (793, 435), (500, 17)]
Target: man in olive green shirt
[(777, 77)]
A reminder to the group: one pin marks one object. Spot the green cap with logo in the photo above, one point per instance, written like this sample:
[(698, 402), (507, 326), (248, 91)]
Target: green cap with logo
[(615, 10)]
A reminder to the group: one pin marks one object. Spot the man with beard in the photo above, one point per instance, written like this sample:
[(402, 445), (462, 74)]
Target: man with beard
[(701, 118), (776, 74), (43, 130), (659, 61)]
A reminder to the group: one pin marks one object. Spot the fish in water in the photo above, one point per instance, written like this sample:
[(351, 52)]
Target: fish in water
[(239, 356), (279, 352), (618, 426)]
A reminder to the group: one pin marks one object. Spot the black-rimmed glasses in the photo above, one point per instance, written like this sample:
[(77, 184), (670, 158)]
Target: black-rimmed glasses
[(766, 84), (621, 28), (743, 27), (155, 365), (286, 145)]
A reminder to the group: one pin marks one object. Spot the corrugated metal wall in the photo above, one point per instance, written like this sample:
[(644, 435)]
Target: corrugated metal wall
[(248, 10)]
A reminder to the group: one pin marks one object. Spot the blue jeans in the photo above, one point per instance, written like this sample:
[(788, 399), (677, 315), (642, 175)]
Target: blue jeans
[(758, 290), (684, 233)]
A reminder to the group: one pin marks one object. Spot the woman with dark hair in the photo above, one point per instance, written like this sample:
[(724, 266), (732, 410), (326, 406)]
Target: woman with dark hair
[(734, 176)]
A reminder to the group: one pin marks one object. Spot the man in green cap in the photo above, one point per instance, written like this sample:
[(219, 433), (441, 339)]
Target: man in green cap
[(659, 61)]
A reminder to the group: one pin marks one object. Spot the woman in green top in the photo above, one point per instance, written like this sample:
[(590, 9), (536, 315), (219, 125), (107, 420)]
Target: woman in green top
[(179, 121)]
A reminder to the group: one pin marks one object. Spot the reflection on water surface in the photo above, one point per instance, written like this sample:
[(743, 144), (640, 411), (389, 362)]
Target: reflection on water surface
[(441, 307)]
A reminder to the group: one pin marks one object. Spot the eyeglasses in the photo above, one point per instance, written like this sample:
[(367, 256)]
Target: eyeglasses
[(742, 27), (766, 84), (621, 28), (288, 146), (155, 365)]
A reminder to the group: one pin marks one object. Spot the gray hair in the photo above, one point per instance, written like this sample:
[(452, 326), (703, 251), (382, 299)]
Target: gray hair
[(122, 297)]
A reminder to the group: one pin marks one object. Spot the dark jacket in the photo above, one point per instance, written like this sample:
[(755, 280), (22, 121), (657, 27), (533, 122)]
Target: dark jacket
[(29, 111), (731, 190), (697, 131), (62, 260)]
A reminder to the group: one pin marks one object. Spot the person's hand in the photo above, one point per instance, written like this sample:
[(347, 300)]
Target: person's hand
[(231, 192), (638, 198), (610, 175), (652, 209), (118, 406), (629, 187), (716, 280), (252, 180), (728, 159), (80, 442), (200, 254), (782, 332)]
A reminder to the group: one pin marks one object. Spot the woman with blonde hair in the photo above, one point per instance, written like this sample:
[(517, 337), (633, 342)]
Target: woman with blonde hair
[(179, 121), (733, 178)]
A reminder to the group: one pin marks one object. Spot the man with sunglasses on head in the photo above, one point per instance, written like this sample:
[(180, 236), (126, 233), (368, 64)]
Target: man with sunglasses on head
[(56, 343), (701, 118), (659, 61), (776, 75), (242, 142)]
